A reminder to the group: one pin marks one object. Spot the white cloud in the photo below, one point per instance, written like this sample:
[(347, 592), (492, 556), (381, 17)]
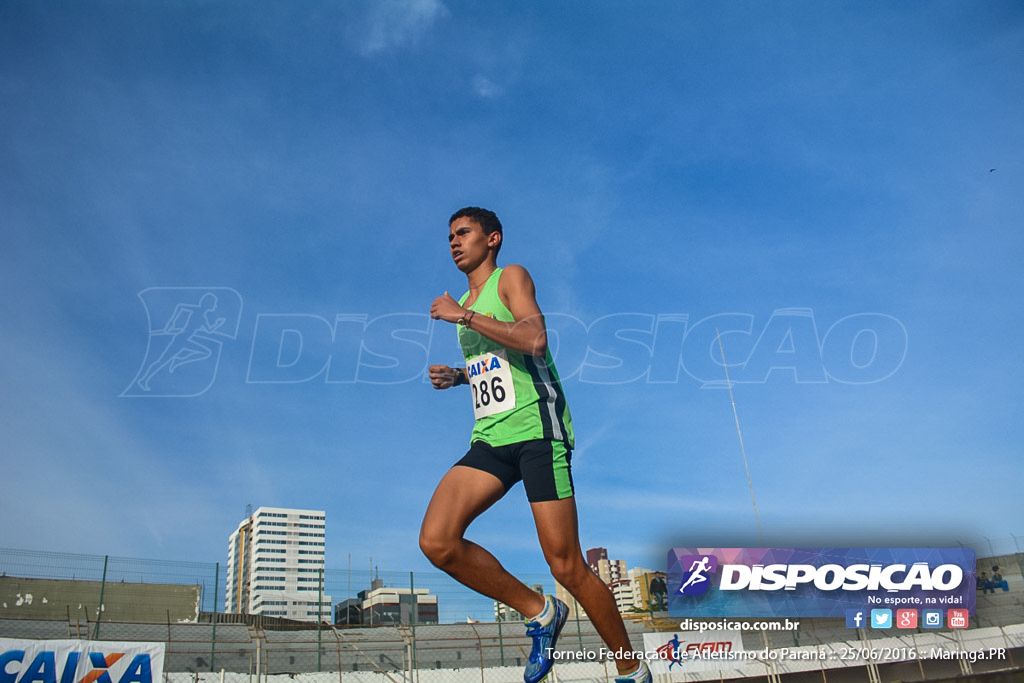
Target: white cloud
[(485, 88), (395, 23)]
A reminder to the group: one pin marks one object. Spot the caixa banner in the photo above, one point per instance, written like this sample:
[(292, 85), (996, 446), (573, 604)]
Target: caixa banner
[(80, 661), (816, 582)]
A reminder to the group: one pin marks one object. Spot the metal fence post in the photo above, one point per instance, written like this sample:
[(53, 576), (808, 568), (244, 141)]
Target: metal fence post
[(480, 649), (103, 587), (319, 619), (501, 642), (1017, 556), (213, 645), (412, 594)]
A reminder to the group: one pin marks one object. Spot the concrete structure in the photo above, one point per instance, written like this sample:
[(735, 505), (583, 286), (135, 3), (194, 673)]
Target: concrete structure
[(276, 564), (348, 612), (384, 605), (470, 653), (147, 603)]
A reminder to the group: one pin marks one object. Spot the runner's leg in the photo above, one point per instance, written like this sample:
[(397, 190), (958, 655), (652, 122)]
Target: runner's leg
[(558, 531), (463, 495)]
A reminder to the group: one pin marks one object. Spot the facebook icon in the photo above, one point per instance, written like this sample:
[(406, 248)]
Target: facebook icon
[(855, 618)]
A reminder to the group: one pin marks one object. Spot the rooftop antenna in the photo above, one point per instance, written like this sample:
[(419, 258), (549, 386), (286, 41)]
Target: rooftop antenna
[(743, 450)]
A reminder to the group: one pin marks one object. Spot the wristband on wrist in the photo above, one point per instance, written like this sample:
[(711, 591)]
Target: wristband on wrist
[(460, 378)]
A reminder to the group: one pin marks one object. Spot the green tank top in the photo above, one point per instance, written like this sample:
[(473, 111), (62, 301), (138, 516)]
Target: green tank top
[(516, 396)]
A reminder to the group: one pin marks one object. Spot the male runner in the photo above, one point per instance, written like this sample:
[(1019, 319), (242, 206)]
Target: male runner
[(523, 431)]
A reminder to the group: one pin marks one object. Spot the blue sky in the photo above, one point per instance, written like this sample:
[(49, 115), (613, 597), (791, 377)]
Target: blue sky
[(835, 186)]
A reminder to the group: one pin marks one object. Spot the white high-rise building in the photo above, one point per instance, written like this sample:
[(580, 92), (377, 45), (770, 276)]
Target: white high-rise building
[(276, 564)]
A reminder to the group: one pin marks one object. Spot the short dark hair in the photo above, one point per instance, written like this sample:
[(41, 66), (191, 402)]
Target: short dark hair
[(487, 219)]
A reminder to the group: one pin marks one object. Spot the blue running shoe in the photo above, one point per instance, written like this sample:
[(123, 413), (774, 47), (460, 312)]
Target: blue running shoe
[(544, 640), (641, 675)]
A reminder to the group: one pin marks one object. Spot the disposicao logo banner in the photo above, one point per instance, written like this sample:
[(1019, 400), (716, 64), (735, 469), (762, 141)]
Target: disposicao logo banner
[(816, 582), (80, 661)]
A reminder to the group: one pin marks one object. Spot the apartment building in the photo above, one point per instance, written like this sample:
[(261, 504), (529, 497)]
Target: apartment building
[(276, 564), (503, 612)]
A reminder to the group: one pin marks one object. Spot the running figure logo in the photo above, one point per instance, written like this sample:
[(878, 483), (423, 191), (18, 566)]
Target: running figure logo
[(187, 329), (670, 651), (695, 578)]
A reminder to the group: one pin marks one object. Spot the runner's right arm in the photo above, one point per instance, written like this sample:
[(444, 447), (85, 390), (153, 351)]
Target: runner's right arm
[(527, 334), (445, 377)]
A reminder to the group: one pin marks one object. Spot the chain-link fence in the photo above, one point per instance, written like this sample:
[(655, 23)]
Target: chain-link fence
[(497, 653), (53, 596), (131, 589)]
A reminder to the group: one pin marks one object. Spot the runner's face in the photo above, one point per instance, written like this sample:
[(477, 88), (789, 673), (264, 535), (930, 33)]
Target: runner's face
[(468, 243)]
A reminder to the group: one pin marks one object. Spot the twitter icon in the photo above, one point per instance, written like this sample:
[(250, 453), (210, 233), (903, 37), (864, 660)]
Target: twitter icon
[(881, 618)]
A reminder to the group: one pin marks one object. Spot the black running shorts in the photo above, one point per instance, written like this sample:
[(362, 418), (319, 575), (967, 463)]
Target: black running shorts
[(543, 466)]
